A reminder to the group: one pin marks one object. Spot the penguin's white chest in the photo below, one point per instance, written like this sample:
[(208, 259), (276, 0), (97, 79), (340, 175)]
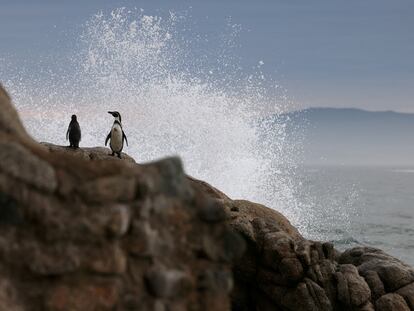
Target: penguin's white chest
[(116, 138)]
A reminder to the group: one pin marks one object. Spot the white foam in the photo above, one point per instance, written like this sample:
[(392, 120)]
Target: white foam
[(140, 66)]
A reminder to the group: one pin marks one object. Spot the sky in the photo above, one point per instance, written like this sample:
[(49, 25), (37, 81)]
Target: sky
[(325, 53)]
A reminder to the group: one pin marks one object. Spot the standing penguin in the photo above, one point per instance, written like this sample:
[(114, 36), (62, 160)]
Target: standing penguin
[(73, 133), (116, 135)]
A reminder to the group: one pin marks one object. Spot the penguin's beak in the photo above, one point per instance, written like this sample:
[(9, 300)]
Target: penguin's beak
[(110, 112)]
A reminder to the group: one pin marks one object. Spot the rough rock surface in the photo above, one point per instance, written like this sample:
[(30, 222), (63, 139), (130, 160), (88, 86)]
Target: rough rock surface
[(281, 270), (81, 230)]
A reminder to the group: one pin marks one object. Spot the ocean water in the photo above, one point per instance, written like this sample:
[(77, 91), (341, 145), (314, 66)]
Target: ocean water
[(372, 206)]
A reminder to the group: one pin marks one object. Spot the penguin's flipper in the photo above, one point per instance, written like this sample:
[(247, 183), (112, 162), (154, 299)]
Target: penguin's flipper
[(107, 138), (67, 132), (124, 137)]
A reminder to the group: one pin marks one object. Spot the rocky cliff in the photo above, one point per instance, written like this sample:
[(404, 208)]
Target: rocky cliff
[(80, 230)]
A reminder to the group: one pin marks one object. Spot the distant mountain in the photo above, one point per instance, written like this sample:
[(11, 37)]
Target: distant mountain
[(353, 137)]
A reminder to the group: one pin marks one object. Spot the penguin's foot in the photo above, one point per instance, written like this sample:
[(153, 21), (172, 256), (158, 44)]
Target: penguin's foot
[(112, 154), (119, 155)]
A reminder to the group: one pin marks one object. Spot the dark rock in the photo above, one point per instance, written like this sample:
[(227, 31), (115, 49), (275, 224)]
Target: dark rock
[(359, 291), (165, 283), (382, 272), (216, 280), (110, 259), (391, 302), (212, 211), (407, 292), (144, 241), (9, 300), (85, 153), (343, 290), (53, 259), (119, 220), (366, 307), (328, 250), (10, 212), (109, 189), (233, 245), (18, 162), (375, 284), (291, 269), (394, 275), (10, 123), (306, 296), (211, 249), (102, 233), (303, 251), (276, 246), (84, 296), (172, 179)]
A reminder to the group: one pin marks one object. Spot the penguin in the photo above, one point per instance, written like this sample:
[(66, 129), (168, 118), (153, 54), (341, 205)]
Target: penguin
[(74, 133), (116, 135)]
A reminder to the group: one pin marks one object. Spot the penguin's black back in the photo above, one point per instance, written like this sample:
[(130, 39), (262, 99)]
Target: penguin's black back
[(74, 133)]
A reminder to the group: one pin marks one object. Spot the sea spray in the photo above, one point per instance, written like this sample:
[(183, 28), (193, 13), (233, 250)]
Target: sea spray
[(175, 99)]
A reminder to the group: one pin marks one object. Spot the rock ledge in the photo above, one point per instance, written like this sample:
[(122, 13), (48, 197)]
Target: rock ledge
[(80, 230)]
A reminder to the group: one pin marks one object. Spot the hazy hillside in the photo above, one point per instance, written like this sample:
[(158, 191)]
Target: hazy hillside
[(354, 137)]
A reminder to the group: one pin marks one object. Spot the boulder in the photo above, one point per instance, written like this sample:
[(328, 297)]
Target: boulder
[(391, 302), (82, 230)]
